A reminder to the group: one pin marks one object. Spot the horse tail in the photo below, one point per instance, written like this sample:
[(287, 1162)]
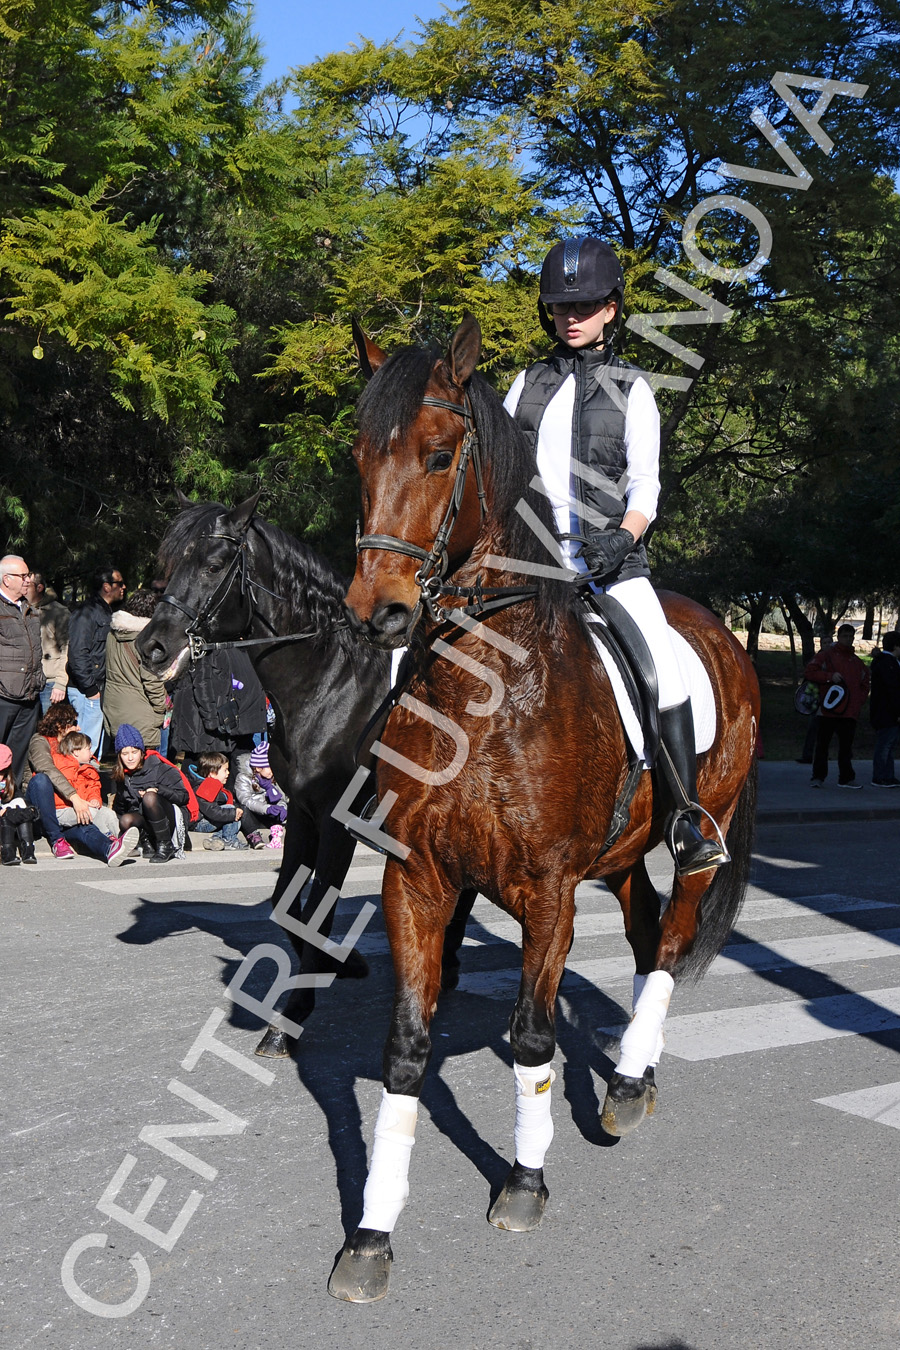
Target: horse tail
[(721, 904)]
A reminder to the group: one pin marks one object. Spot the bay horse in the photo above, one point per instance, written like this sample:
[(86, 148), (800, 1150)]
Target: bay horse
[(231, 575), (506, 756)]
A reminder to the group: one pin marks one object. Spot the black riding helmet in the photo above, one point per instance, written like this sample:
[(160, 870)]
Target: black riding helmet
[(580, 269)]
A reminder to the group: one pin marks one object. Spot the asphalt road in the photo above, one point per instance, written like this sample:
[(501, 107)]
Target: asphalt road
[(757, 1208)]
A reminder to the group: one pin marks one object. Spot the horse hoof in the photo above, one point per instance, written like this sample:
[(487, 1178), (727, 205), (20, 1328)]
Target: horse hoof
[(274, 1045), (363, 1270), (628, 1100), (449, 978), (520, 1205), (355, 967)]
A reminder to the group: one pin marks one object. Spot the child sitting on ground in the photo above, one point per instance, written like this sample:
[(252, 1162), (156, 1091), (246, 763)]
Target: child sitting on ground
[(219, 817), (262, 798), (17, 818), (74, 760)]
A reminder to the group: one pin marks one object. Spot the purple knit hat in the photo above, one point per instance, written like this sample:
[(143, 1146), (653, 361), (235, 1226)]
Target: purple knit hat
[(259, 756)]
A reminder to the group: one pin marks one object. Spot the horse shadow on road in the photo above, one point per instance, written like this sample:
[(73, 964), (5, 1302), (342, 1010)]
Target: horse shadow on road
[(464, 1024)]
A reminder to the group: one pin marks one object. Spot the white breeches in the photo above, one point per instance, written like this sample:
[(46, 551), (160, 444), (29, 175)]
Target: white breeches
[(639, 598)]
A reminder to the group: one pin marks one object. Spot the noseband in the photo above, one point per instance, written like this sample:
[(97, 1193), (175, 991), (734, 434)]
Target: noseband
[(435, 560)]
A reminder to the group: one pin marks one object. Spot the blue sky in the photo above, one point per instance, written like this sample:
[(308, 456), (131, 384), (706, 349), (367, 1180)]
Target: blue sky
[(294, 32)]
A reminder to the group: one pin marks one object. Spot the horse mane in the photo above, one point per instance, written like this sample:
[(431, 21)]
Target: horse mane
[(386, 411), (309, 586)]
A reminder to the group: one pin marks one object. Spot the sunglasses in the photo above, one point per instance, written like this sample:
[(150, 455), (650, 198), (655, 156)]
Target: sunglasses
[(581, 307)]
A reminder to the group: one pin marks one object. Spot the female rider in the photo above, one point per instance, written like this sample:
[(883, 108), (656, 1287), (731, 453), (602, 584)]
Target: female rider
[(594, 425)]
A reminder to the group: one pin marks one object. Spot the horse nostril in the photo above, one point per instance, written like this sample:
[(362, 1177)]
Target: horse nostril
[(354, 623), (392, 621)]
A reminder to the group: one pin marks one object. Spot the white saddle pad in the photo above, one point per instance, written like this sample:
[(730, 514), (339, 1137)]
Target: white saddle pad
[(696, 680)]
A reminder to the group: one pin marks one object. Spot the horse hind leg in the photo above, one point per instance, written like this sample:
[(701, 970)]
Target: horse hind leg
[(632, 1092)]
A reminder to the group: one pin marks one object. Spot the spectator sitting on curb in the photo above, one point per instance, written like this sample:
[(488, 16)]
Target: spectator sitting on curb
[(72, 758), (43, 779), (261, 797), (16, 817), (845, 687), (220, 818)]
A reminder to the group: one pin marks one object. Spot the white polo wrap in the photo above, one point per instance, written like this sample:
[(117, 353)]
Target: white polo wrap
[(387, 1185), (534, 1123), (643, 1040)]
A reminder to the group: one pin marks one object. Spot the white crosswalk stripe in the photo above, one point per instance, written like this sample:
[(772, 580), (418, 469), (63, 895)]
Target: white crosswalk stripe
[(773, 938)]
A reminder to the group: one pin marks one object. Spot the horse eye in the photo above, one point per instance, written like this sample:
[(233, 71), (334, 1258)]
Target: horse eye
[(214, 567), (441, 460)]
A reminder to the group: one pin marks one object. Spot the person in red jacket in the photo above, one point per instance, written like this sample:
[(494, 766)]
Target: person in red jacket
[(844, 682)]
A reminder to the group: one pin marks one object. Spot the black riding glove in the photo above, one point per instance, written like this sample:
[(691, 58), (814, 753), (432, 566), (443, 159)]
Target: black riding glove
[(605, 553)]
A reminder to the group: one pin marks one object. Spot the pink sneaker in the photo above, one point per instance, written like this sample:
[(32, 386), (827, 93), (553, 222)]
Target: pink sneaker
[(120, 848), (276, 837), (62, 849)]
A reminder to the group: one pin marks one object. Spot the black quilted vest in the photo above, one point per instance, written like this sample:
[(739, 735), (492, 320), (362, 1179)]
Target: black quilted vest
[(602, 385)]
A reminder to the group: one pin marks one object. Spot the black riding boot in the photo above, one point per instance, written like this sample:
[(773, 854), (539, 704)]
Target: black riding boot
[(677, 773), (8, 844), (26, 841), (162, 834)]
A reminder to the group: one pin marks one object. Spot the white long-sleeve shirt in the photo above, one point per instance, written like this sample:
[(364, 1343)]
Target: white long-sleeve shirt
[(554, 452)]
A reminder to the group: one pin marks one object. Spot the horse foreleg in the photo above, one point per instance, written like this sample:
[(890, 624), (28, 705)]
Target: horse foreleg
[(328, 857), (631, 1093), (415, 927), (520, 1205)]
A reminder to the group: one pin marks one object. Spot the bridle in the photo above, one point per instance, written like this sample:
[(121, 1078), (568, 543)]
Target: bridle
[(435, 560), (237, 569)]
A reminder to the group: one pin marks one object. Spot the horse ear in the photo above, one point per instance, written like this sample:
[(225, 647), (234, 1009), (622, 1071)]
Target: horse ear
[(465, 350), (183, 501), (370, 355), (242, 515)]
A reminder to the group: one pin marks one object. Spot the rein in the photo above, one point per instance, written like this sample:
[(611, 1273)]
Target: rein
[(198, 645), (435, 561)]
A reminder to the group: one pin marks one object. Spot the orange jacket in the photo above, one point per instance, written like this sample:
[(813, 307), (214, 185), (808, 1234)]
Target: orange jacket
[(84, 779)]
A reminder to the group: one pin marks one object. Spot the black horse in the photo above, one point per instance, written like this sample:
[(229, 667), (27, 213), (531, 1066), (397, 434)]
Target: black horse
[(230, 576)]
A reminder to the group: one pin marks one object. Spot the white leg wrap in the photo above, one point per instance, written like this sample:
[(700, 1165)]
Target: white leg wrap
[(534, 1124), (638, 989), (387, 1186), (643, 1041)]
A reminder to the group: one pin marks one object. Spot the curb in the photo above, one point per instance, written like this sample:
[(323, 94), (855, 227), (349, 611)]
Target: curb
[(803, 817)]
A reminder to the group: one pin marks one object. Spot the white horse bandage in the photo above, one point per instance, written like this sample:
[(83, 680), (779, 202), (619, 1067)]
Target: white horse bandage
[(534, 1123), (387, 1185), (643, 1040)]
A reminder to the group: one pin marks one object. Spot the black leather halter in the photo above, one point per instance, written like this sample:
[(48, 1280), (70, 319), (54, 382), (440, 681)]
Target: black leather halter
[(435, 560)]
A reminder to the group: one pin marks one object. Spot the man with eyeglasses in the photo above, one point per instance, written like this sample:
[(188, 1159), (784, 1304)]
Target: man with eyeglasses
[(21, 668), (593, 423), (88, 629)]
